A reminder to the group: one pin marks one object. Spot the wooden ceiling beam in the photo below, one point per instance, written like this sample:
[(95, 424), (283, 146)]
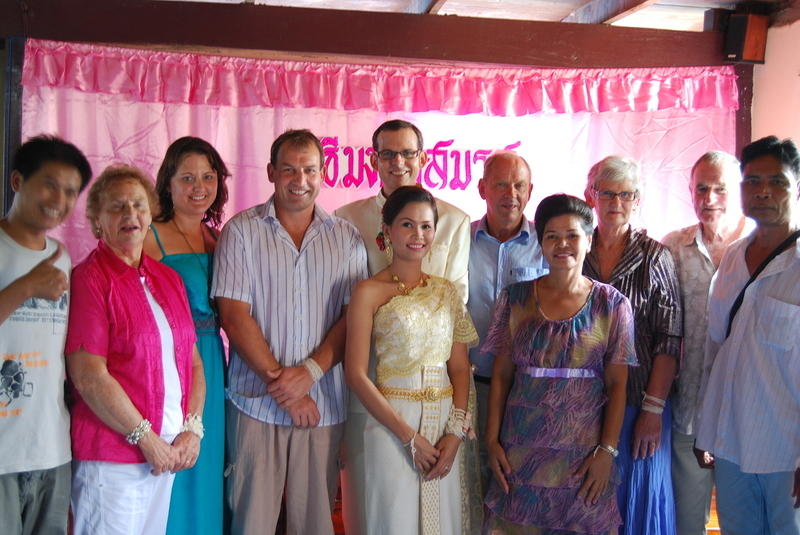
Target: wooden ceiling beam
[(374, 34), (606, 11)]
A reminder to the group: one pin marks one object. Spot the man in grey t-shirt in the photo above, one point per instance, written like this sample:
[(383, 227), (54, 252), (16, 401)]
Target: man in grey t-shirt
[(47, 176)]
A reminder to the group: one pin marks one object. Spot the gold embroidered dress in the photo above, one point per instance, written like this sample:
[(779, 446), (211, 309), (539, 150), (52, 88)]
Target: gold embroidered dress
[(412, 336)]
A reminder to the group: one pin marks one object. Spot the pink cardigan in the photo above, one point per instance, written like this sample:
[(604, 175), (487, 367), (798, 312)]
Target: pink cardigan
[(109, 316)]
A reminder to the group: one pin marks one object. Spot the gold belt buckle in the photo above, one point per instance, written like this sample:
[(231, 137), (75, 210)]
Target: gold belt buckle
[(430, 394)]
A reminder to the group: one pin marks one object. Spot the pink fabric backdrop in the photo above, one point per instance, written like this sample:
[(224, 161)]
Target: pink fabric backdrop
[(127, 105)]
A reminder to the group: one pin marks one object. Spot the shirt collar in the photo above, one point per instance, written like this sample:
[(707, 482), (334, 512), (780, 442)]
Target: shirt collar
[(118, 265), (632, 255), (694, 238), (749, 238), (267, 212), (380, 200), (524, 233)]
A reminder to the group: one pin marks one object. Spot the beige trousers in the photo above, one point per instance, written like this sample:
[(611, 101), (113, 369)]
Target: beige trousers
[(268, 462)]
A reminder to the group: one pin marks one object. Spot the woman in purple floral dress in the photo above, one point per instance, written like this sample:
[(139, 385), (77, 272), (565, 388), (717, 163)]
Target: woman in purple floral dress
[(562, 345)]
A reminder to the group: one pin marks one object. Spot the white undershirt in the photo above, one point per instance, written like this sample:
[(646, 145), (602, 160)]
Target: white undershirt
[(172, 420)]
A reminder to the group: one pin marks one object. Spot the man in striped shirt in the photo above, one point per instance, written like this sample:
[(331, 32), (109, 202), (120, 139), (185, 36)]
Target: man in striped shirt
[(283, 272), (750, 388)]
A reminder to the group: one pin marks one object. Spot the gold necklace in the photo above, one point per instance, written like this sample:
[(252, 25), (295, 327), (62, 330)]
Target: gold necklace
[(401, 286), (185, 239)]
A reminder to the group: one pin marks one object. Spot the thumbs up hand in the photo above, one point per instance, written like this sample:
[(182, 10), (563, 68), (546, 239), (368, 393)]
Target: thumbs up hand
[(45, 280)]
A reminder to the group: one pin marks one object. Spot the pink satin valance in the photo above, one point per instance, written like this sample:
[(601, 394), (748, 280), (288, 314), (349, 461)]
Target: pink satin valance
[(198, 79)]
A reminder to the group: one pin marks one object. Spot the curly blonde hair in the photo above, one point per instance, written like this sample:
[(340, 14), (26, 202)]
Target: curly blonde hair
[(110, 176)]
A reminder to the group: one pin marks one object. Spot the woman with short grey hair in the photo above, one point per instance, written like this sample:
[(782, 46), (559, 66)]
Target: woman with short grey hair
[(643, 270)]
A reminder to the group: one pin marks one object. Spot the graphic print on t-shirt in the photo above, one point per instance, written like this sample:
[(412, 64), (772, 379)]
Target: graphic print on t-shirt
[(12, 382), (15, 376)]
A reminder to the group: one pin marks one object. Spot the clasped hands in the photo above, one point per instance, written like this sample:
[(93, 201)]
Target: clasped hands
[(165, 457), (435, 462), (289, 387)]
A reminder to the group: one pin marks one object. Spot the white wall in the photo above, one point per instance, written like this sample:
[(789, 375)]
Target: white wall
[(776, 86)]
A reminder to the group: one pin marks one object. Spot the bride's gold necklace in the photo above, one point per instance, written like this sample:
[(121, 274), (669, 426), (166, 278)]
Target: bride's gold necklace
[(401, 286)]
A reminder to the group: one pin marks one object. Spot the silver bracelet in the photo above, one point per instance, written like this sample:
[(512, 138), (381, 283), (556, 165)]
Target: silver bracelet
[(138, 432), (194, 424), (412, 450), (314, 369), (605, 447), (647, 398), (653, 409)]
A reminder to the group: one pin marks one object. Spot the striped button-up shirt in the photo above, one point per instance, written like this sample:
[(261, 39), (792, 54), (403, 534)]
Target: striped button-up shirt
[(646, 275), (750, 389), (295, 296)]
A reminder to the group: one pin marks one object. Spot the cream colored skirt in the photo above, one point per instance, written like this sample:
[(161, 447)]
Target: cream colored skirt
[(398, 501)]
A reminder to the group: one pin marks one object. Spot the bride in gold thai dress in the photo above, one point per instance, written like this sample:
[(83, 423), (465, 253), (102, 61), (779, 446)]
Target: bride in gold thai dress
[(406, 360)]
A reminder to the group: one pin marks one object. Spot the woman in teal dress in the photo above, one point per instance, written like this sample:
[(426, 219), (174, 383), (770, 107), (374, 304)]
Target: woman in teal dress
[(192, 192)]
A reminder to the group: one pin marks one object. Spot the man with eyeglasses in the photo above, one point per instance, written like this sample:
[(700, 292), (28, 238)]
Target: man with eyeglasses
[(749, 416), (697, 251), (398, 156)]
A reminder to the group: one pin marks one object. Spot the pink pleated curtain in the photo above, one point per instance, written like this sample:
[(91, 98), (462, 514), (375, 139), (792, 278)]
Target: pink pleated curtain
[(126, 105)]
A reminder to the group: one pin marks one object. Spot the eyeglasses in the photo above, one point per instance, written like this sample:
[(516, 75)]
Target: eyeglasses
[(388, 155), (624, 196)]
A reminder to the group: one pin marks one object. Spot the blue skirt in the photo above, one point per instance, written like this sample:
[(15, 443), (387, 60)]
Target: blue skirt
[(645, 494)]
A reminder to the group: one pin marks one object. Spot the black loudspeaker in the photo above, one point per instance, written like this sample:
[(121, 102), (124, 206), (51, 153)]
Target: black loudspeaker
[(746, 38)]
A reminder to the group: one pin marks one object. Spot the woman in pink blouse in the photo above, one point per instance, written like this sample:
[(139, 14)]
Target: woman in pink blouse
[(136, 374)]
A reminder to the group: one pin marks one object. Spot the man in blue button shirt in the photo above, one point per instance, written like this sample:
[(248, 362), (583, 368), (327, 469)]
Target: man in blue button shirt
[(503, 250)]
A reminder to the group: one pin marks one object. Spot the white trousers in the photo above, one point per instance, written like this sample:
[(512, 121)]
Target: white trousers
[(119, 499)]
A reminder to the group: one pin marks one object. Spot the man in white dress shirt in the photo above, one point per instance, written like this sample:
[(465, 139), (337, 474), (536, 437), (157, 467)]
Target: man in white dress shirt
[(398, 156), (697, 250), (750, 390)]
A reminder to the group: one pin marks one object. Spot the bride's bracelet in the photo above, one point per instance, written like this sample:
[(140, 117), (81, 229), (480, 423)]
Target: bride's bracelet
[(457, 423), (412, 450)]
